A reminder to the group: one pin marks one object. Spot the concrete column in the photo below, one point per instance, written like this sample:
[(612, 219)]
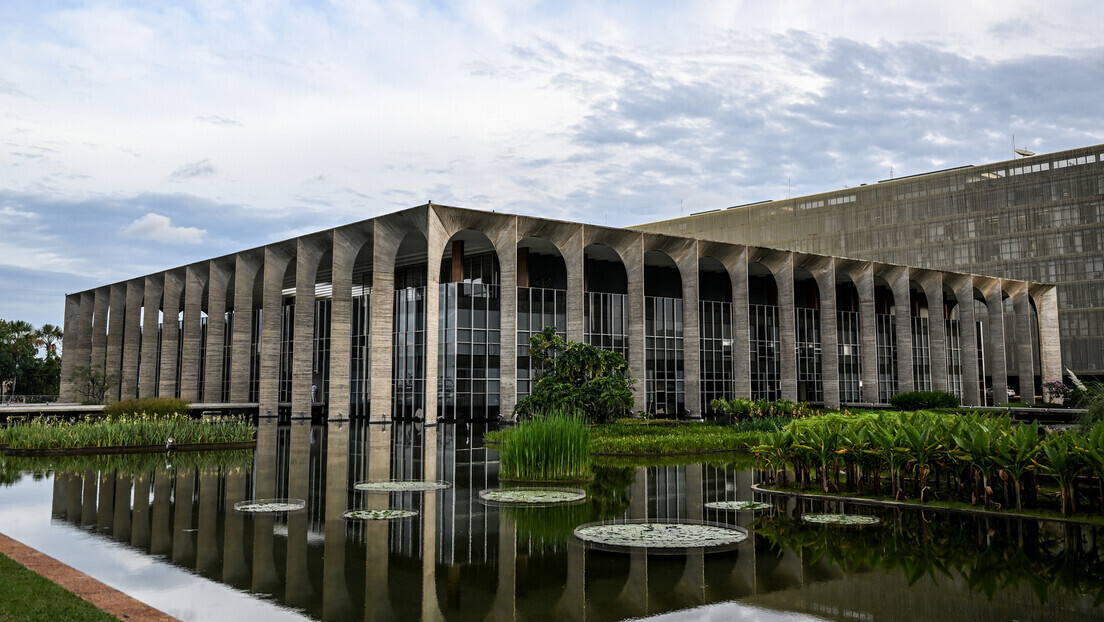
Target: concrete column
[(1050, 345), (336, 604), (386, 238), (116, 320), (1025, 352), (506, 239), (71, 358), (997, 364), (207, 549), (964, 291), (741, 329), (275, 265), (298, 586), (147, 373), (217, 281), (347, 243), (307, 256), (140, 517), (193, 333), (932, 282), (183, 498), (687, 262), (99, 327), (825, 275), (235, 568), (436, 238), (864, 283), (132, 338), (246, 266), (170, 333), (121, 526), (898, 278), (574, 259), (783, 269), (633, 257)]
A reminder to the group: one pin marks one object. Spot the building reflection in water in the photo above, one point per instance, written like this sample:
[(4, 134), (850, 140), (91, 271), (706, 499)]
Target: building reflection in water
[(458, 559)]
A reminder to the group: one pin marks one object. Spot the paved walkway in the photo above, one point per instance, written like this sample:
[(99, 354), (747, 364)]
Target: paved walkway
[(103, 596)]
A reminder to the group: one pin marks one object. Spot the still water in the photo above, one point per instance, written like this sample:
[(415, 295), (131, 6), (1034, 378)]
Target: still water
[(166, 532)]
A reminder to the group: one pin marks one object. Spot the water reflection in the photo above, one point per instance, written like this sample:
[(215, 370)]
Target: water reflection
[(462, 560)]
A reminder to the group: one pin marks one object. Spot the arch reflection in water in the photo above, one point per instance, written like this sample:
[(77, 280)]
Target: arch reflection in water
[(459, 559)]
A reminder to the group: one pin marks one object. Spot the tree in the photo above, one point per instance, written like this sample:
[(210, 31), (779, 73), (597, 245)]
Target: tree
[(92, 382), (577, 377), (48, 338)]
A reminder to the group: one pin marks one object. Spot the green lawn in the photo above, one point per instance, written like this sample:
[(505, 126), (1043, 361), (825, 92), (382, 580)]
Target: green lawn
[(24, 595)]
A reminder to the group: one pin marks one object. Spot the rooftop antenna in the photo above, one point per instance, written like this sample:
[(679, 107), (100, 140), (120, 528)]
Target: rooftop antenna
[(1023, 152)]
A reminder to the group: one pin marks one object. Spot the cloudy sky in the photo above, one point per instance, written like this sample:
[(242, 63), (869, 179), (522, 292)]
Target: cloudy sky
[(137, 139)]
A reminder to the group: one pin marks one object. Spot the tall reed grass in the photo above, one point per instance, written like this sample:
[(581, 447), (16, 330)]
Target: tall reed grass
[(554, 446)]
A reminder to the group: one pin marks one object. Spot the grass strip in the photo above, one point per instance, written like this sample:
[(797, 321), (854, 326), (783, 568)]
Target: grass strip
[(631, 438), (29, 596)]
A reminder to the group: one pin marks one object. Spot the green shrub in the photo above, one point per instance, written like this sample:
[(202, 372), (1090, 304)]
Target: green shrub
[(924, 400), (154, 407), (741, 408)]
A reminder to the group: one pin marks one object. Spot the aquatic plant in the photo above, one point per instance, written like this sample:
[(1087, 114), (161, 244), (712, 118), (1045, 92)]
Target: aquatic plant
[(179, 429), (551, 447)]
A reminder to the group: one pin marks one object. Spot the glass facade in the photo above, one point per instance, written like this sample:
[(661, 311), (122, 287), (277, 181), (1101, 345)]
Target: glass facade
[(921, 354), (717, 379), (287, 350), (810, 379), (408, 353), (360, 376), (537, 307), (766, 373), (606, 322), (202, 356), (665, 381), (849, 344), (227, 346), (255, 356), (469, 352), (887, 356), (954, 358)]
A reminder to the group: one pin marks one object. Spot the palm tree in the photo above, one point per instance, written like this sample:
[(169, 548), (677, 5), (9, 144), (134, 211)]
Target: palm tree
[(49, 337)]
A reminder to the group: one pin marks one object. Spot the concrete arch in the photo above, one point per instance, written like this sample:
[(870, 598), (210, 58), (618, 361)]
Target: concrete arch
[(351, 267), (279, 274)]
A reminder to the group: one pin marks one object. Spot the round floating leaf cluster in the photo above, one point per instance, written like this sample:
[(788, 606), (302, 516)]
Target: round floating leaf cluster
[(532, 496), (840, 519), (660, 535), (388, 514), (401, 485), (737, 505), (269, 506)]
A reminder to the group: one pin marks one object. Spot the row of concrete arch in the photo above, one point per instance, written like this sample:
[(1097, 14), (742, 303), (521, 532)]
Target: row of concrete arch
[(369, 254)]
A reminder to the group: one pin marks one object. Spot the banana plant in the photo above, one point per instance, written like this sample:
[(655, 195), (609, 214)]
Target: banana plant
[(1065, 460), (1094, 455), (924, 443), (889, 439), (976, 441), (1015, 455)]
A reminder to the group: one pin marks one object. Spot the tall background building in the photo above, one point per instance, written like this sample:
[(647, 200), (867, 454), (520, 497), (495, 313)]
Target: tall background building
[(1038, 218)]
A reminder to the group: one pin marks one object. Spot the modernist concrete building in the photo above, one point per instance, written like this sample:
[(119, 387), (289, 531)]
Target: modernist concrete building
[(1037, 218), (427, 312)]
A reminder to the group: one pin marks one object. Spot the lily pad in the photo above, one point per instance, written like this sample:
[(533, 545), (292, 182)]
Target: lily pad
[(661, 536), (738, 505), (532, 497), (387, 514), (402, 485), (840, 519), (270, 506)]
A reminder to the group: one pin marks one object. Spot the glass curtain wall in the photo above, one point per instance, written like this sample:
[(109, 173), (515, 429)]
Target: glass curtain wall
[(849, 336), (717, 378), (885, 322), (320, 360), (287, 349), (954, 354), (408, 343), (255, 356), (921, 340), (665, 375), (810, 375), (227, 351), (469, 328), (202, 385), (360, 388), (537, 307), (766, 363)]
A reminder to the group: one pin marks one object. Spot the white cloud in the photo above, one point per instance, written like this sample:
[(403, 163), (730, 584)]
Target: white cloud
[(160, 229)]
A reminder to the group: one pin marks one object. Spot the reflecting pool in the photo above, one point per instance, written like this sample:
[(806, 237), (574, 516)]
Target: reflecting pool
[(165, 530)]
